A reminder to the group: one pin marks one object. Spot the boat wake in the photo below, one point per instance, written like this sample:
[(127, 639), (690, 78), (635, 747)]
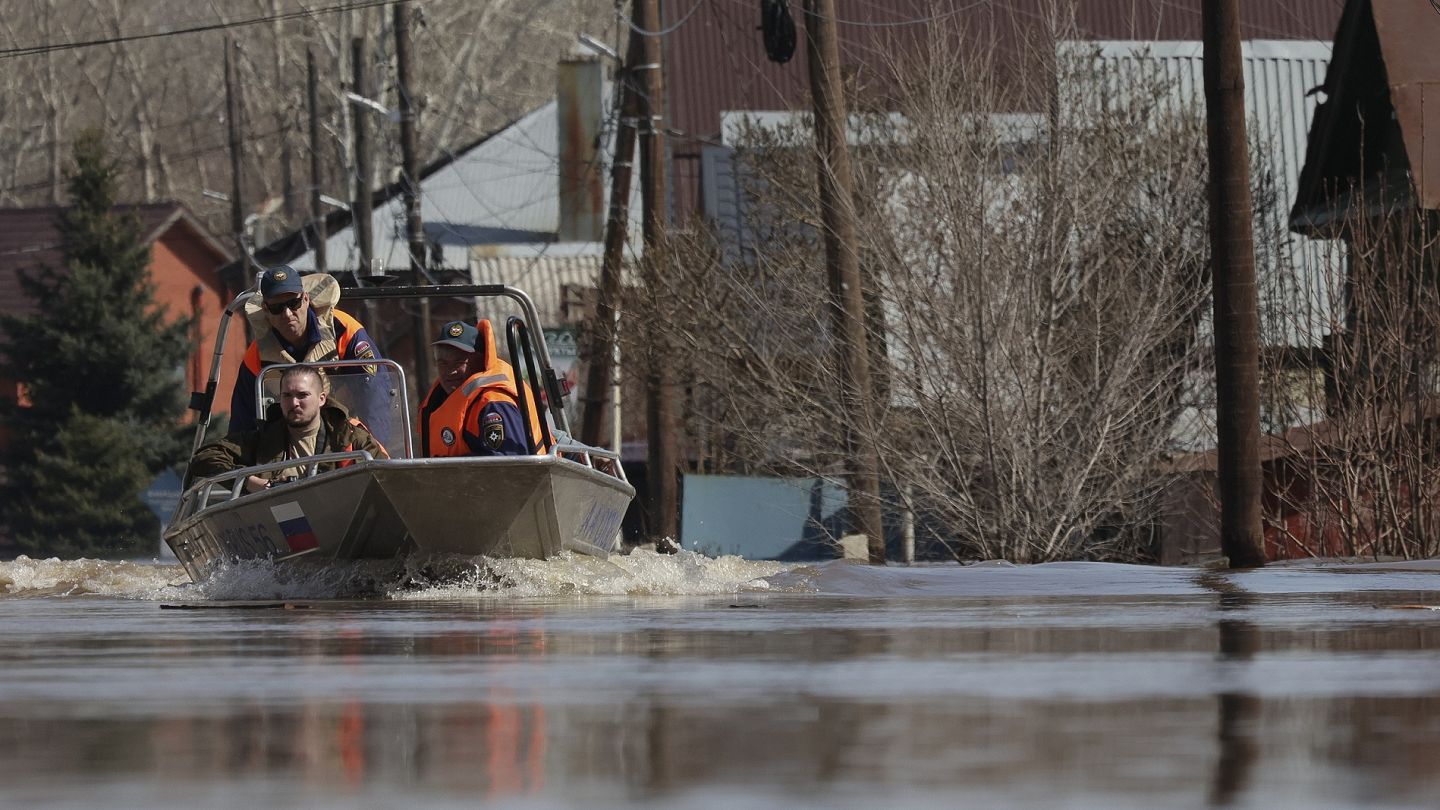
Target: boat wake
[(640, 573), (646, 573)]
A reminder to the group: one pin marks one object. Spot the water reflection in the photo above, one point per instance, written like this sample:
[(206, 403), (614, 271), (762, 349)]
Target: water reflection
[(1309, 700), (1239, 710)]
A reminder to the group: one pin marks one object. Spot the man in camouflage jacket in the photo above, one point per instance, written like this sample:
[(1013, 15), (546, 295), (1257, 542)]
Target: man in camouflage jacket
[(303, 423)]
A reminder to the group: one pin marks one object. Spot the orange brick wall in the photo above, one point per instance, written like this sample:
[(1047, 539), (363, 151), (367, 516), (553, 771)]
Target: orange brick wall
[(182, 268)]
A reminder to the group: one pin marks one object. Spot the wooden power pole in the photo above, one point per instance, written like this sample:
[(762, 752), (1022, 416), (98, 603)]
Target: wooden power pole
[(237, 175), (600, 351), (410, 192), (1237, 319), (362, 204), (837, 209), (661, 391), (317, 211)]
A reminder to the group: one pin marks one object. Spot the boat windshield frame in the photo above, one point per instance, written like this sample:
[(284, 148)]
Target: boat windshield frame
[(278, 369)]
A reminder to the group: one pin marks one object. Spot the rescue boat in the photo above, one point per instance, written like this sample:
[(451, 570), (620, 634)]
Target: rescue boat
[(562, 496)]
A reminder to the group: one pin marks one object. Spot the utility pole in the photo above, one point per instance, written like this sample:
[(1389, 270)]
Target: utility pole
[(1237, 319), (283, 121), (661, 391), (317, 212), (410, 191), (237, 179), (361, 206), (604, 336), (837, 209)]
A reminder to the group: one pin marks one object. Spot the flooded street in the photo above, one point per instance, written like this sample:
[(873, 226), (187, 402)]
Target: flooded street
[(689, 682)]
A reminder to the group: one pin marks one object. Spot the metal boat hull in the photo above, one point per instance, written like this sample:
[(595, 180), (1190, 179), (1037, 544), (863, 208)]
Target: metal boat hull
[(501, 506)]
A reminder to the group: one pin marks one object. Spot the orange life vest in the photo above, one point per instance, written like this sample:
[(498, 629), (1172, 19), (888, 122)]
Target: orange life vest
[(444, 419), (333, 343)]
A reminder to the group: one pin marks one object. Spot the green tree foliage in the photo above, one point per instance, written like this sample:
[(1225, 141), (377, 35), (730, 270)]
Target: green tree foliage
[(103, 365), (84, 492)]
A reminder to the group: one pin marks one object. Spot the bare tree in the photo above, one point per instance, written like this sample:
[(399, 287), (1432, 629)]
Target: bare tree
[(1036, 284), (480, 66), (1356, 477)]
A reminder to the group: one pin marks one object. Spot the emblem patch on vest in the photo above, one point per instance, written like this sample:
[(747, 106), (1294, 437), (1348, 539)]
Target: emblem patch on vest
[(493, 431), (447, 436)]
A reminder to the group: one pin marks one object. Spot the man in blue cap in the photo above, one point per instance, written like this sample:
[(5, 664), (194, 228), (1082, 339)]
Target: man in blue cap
[(294, 321), (473, 407)]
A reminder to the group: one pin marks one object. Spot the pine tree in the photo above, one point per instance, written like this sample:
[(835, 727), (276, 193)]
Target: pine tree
[(104, 370)]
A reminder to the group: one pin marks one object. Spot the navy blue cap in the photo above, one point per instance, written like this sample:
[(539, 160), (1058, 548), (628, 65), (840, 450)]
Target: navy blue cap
[(281, 280), (459, 334)]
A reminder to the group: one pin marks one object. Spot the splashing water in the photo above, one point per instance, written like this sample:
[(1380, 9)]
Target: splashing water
[(642, 572), (24, 577), (646, 573)]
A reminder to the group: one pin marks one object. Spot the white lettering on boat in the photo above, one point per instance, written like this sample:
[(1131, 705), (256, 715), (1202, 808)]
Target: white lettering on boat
[(246, 541), (599, 526)]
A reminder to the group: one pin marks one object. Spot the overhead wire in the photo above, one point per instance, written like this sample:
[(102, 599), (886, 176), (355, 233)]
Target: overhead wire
[(52, 47), (171, 63), (620, 15), (129, 170), (499, 215)]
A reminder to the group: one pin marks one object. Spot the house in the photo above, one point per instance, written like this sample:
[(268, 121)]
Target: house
[(1361, 484), (1285, 56), (185, 259), (715, 60), (1372, 147), (1371, 178), (523, 205), (1286, 51)]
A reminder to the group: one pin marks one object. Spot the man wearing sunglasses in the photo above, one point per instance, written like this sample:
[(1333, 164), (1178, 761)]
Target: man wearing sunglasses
[(294, 321)]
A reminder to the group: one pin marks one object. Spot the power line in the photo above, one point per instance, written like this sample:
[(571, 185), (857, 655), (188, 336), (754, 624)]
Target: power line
[(34, 50), (620, 15), (123, 169)]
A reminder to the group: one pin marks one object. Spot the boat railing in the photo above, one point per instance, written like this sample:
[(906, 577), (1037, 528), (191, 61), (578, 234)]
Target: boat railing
[(517, 338), (596, 458), (231, 484)]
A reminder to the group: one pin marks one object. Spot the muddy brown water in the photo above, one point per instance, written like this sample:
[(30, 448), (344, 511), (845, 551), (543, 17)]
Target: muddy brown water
[(690, 682)]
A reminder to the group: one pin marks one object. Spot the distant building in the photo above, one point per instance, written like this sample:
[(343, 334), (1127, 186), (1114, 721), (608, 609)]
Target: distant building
[(1367, 178), (716, 62), (525, 205), (185, 259)]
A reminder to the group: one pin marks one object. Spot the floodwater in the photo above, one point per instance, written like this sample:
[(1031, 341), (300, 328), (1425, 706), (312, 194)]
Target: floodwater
[(694, 683)]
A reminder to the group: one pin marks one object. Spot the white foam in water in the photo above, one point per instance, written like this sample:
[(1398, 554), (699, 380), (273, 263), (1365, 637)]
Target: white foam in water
[(24, 576), (642, 572), (646, 573)]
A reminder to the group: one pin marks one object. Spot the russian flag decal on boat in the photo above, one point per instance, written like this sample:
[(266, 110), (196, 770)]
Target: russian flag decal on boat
[(295, 526)]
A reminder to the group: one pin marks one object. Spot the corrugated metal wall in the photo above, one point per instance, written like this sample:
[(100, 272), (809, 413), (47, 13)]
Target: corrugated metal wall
[(715, 60), (1299, 285), (545, 279), (1300, 282)]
